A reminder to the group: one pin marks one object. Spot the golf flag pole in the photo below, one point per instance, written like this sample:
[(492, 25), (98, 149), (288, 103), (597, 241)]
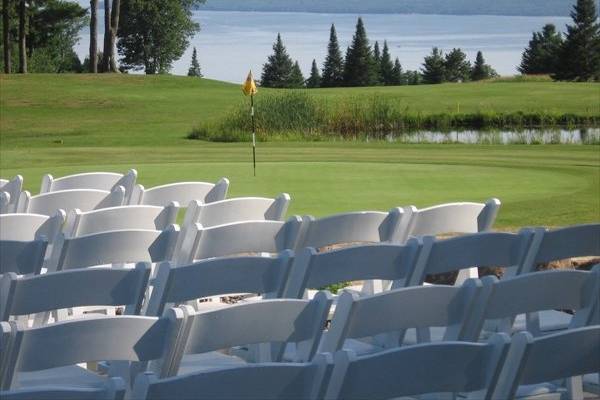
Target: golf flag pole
[(249, 89)]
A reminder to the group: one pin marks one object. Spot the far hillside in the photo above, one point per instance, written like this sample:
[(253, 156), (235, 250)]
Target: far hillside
[(456, 7)]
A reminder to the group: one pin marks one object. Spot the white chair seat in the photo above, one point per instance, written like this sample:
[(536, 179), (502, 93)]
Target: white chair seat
[(542, 391), (550, 320), (205, 361), (72, 375), (591, 383)]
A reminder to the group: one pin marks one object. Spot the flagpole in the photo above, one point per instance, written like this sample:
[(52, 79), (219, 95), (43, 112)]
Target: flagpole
[(253, 133)]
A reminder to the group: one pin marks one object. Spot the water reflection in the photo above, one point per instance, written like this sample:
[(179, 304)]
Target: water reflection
[(527, 136)]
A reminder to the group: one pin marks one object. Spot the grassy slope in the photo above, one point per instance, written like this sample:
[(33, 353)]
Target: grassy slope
[(117, 122)]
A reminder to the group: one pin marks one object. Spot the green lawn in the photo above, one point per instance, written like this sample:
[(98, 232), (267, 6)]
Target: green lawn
[(66, 124)]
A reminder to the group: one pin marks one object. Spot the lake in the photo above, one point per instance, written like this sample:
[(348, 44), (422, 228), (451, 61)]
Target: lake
[(231, 43)]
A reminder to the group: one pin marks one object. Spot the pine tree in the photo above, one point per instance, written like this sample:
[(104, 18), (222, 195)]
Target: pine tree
[(195, 66), (457, 67), (580, 54), (377, 62), (387, 66), (481, 70), (543, 52), (397, 76), (433, 67), (360, 68), (278, 69), (314, 81), (296, 77), (333, 68)]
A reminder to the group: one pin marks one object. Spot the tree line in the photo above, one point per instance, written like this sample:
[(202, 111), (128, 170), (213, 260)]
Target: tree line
[(574, 57), (144, 35), (366, 65)]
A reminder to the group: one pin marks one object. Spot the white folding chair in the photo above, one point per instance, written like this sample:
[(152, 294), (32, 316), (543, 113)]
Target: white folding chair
[(219, 277), (267, 381), (90, 180), (102, 286), (270, 324), (237, 238), (383, 319), (9, 194), (542, 360), (47, 356), (312, 270), (31, 226), (83, 199), (237, 210), (450, 218), (485, 249), (181, 192), (350, 228), (113, 247), (433, 368), (81, 223)]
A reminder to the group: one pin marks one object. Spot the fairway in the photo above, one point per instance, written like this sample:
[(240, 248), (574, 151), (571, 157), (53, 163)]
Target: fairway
[(67, 124)]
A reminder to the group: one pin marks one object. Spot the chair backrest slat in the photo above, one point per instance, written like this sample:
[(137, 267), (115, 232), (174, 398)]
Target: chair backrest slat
[(9, 194), (181, 192), (113, 390), (127, 246), (83, 199), (90, 180), (23, 227), (22, 257), (421, 369), (573, 352), (74, 288), (219, 276), (354, 227)]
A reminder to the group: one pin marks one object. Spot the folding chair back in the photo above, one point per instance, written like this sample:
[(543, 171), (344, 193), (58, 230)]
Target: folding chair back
[(114, 389), (182, 192), (22, 257), (396, 311), (102, 286), (237, 210), (9, 194), (238, 238), (485, 249), (257, 381), (559, 244), (278, 321), (430, 368), (83, 199), (121, 338), (81, 223), (313, 270), (90, 180), (219, 276), (548, 358), (368, 226), (112, 247), (24, 227)]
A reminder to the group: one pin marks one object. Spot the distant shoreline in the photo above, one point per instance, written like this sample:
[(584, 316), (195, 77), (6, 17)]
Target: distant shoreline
[(205, 8)]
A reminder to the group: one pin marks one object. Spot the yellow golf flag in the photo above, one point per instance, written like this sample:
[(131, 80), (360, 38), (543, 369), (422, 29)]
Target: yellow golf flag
[(249, 87)]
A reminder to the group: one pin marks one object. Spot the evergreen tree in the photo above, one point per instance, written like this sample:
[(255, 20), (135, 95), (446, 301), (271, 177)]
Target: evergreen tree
[(296, 77), (543, 52), (397, 76), (195, 66), (481, 70), (387, 66), (580, 54), (278, 69), (377, 62), (433, 68), (314, 81), (457, 67), (333, 68), (413, 78), (360, 67)]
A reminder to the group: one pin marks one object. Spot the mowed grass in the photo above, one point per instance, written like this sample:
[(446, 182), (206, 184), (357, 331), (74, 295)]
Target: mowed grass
[(68, 124)]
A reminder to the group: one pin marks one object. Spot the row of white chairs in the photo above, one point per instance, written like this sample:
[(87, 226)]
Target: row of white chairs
[(186, 341), (96, 190)]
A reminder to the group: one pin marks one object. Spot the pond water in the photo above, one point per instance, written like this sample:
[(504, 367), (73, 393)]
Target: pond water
[(529, 136)]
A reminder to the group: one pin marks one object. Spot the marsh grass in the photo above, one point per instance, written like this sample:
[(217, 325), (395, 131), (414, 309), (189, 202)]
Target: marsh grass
[(298, 115)]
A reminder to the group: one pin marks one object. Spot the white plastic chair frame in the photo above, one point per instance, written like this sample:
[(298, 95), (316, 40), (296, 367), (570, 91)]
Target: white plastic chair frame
[(84, 199), (90, 180), (22, 256), (181, 192), (9, 194)]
